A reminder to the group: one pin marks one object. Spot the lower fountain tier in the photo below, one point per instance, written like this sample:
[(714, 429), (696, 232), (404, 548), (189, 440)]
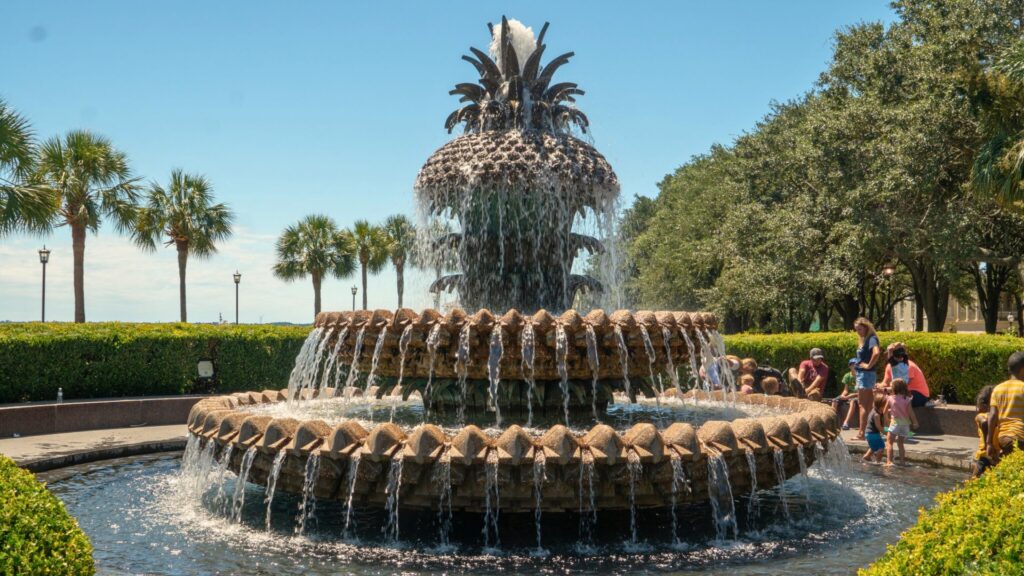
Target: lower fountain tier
[(422, 484), (470, 456)]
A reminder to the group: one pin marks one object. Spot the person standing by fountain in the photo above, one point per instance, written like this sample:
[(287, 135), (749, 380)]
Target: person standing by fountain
[(868, 352)]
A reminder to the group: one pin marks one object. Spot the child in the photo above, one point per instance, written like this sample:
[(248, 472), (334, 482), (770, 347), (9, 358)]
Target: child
[(873, 431), (747, 384), (981, 460), (770, 385), (899, 362), (849, 394), (903, 419)]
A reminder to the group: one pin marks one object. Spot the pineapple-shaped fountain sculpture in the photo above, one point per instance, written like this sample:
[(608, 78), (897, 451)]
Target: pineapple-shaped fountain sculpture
[(516, 181)]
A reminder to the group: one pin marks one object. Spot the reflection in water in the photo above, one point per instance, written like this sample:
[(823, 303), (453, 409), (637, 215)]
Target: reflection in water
[(138, 522)]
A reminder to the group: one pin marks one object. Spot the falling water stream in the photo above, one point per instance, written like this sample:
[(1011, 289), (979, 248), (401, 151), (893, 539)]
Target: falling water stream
[(527, 346), (492, 502), (307, 508), (371, 378), (561, 354), (595, 367), (444, 505), (357, 352), (275, 471), (720, 497), (351, 477), (394, 488), (539, 477), (497, 350), (462, 367), (238, 500), (780, 476), (433, 339), (623, 360)]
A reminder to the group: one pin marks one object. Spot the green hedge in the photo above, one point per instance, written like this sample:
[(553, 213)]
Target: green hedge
[(975, 529), (37, 536), (957, 365), (118, 359)]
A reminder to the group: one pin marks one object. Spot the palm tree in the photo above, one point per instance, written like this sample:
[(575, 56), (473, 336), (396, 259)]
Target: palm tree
[(372, 246), (23, 206), (316, 247), (90, 180), (402, 235), (184, 212)]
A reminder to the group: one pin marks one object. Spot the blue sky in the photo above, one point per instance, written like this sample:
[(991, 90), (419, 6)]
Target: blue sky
[(302, 107)]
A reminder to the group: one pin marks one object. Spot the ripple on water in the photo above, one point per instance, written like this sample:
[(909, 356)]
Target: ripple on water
[(138, 521)]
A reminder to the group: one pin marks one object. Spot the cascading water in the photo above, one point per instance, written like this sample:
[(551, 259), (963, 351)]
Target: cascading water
[(275, 471), (220, 501), (403, 347), (527, 346), (695, 373), (588, 509), (780, 475), (666, 336), (238, 500), (394, 489), (805, 482), (752, 467), (720, 497), (371, 378), (332, 365), (307, 508), (561, 354), (444, 506), (624, 360), (491, 500), (594, 361), (462, 368), (433, 339), (497, 350), (351, 477), (635, 469), (651, 357), (679, 482), (539, 477), (357, 352), (305, 359)]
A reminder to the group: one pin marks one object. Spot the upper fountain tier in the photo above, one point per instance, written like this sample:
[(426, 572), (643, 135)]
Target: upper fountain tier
[(515, 182)]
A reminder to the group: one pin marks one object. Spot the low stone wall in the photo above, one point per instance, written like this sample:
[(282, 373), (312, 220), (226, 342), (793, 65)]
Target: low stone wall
[(952, 419), (52, 418)]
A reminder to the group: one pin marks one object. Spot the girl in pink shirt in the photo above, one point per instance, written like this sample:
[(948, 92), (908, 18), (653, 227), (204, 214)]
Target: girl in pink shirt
[(903, 419)]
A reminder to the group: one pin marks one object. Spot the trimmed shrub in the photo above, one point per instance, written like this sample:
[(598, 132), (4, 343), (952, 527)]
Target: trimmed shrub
[(117, 359), (37, 536), (957, 365), (975, 529)]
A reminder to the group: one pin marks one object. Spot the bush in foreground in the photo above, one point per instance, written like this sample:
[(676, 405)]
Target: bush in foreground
[(37, 536), (976, 529)]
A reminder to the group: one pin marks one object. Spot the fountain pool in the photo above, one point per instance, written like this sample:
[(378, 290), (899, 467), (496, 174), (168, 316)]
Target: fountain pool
[(141, 516)]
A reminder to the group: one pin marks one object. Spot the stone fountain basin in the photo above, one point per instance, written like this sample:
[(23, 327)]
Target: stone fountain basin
[(428, 455)]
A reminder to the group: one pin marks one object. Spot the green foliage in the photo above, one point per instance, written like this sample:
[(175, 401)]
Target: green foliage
[(957, 365), (115, 359), (975, 529), (37, 536)]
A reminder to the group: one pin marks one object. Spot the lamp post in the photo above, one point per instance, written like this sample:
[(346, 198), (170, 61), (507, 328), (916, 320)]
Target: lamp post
[(238, 279), (889, 271), (354, 290), (44, 257)]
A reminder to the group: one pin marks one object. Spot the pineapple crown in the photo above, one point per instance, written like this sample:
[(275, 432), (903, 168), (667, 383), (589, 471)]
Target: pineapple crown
[(512, 96)]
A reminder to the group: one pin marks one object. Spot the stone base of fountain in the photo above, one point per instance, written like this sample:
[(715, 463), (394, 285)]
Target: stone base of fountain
[(602, 469)]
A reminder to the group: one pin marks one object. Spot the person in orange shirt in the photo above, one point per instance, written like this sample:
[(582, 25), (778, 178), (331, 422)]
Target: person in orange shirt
[(915, 377)]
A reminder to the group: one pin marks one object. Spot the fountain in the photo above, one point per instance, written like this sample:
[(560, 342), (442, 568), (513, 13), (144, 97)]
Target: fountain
[(514, 185)]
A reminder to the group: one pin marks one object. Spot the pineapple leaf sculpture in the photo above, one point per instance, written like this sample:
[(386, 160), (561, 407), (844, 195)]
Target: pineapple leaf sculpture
[(516, 181)]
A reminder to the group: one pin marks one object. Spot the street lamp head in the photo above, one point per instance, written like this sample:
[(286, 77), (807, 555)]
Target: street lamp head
[(238, 277), (888, 270), (44, 255), (1009, 317), (354, 290)]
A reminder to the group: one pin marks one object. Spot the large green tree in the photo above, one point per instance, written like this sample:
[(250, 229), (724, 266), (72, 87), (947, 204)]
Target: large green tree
[(184, 215), (23, 205), (90, 181), (402, 236), (314, 247), (372, 247)]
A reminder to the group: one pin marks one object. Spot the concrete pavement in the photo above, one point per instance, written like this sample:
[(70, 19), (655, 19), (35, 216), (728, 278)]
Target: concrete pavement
[(49, 451), (935, 450)]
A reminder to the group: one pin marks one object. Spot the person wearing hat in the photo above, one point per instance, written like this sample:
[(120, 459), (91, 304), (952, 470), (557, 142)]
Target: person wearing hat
[(811, 375)]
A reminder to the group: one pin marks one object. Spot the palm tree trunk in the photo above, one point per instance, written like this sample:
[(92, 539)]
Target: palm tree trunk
[(364, 285), (78, 249), (316, 295), (400, 272), (182, 247)]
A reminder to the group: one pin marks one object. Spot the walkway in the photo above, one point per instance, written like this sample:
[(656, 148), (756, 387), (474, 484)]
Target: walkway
[(935, 450), (49, 451)]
